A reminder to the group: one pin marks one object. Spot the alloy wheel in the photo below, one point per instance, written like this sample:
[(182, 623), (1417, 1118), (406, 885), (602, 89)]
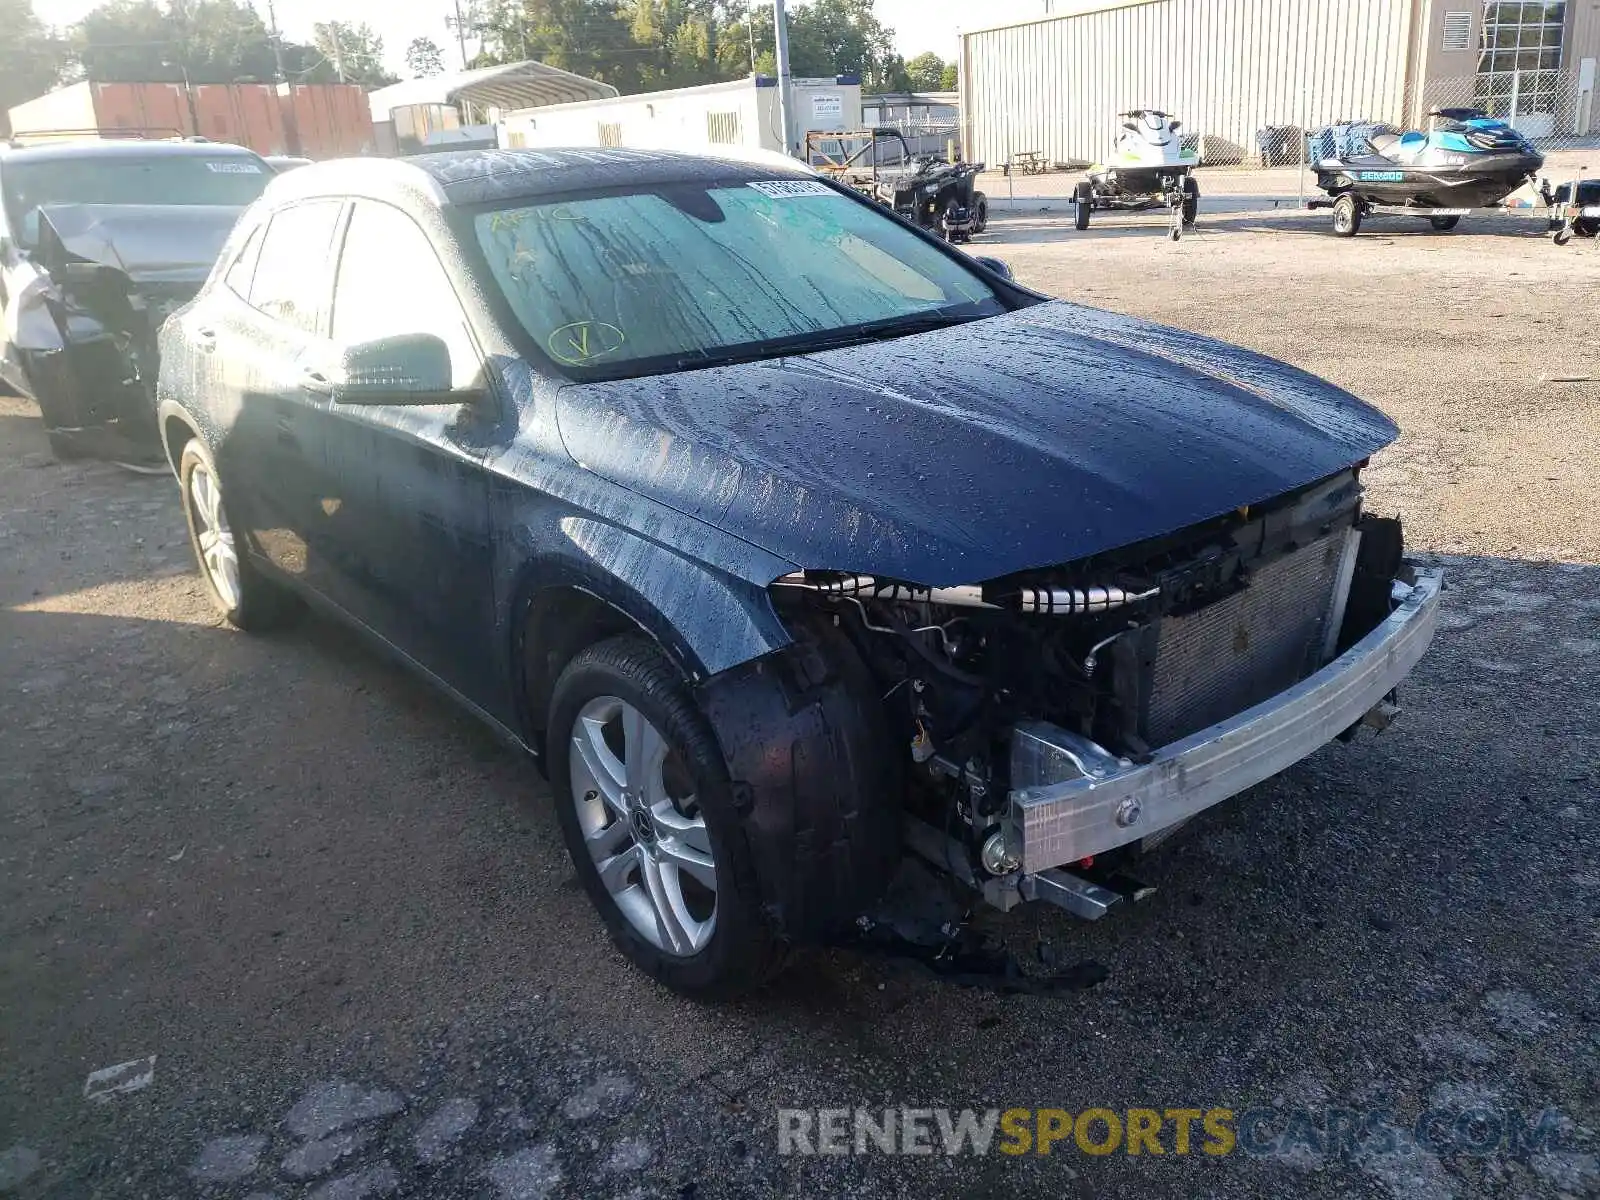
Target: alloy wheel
[(643, 826), (211, 531)]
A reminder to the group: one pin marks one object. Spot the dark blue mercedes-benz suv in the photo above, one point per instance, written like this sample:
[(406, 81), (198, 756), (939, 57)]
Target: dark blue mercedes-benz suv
[(789, 539)]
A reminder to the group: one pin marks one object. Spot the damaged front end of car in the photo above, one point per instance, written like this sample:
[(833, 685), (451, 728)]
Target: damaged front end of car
[(83, 324), (1059, 722)]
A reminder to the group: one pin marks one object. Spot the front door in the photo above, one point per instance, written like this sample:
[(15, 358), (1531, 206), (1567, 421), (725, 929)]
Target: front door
[(408, 498)]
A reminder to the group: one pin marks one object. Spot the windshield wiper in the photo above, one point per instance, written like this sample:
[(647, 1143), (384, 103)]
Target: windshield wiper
[(855, 335), (879, 331)]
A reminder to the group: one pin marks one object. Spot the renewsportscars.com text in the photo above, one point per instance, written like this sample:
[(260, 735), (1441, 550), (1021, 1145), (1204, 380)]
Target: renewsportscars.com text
[(1338, 1133)]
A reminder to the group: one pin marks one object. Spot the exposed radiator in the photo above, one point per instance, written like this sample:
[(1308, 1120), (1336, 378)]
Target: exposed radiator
[(1239, 651)]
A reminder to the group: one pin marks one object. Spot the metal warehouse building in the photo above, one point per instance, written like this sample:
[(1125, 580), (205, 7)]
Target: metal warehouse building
[(1230, 68)]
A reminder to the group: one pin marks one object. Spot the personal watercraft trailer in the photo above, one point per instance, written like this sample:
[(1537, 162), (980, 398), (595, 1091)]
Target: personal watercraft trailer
[(1149, 168), (1467, 162), (1574, 210)]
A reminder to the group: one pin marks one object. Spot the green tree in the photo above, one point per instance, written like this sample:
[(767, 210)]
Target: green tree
[(354, 52), (208, 41), (423, 57), (129, 40), (31, 57), (588, 37), (926, 72), (950, 78), (838, 37), (637, 45)]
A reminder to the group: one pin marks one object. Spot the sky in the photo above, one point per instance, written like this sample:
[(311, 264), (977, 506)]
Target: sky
[(918, 24)]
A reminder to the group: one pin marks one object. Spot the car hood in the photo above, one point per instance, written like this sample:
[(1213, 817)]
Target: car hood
[(150, 243), (1028, 440)]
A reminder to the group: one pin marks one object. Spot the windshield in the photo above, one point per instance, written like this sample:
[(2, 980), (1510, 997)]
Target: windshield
[(637, 283), (231, 180)]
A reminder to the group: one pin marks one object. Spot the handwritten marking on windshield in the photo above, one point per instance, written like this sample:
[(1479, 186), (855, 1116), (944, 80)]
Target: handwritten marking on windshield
[(584, 342)]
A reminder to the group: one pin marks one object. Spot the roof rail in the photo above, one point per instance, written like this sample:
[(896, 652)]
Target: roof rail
[(21, 138)]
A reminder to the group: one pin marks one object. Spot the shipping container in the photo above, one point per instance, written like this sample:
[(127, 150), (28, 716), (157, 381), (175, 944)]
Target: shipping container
[(314, 120), (154, 109), (245, 114), (330, 120)]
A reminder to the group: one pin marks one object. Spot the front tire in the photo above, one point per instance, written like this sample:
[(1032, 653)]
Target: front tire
[(648, 814), (981, 209), (1191, 199), (1444, 224), (1346, 216), (1084, 206), (246, 599)]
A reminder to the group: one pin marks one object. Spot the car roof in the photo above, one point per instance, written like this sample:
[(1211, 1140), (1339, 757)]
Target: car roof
[(111, 148), (469, 177)]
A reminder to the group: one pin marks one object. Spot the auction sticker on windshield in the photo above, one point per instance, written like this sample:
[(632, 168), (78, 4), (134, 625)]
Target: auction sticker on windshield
[(234, 168), (784, 189)]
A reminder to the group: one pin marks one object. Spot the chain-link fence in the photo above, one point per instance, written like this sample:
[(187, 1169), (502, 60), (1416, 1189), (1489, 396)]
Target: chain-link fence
[(926, 136)]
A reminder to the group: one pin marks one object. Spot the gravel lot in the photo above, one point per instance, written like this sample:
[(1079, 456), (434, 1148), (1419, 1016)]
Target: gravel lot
[(338, 914)]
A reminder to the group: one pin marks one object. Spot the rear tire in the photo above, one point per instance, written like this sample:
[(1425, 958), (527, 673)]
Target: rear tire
[(1084, 206), (247, 599), (1562, 236), (981, 208), (1444, 224), (655, 916), (1346, 216)]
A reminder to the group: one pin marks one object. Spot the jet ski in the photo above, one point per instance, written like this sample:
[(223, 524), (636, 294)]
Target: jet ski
[(1467, 160), (1149, 167)]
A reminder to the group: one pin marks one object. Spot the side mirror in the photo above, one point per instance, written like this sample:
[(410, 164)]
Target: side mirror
[(996, 265), (411, 368)]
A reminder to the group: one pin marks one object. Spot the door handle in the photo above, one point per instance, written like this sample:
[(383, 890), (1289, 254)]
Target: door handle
[(205, 340), (286, 434), (315, 382)]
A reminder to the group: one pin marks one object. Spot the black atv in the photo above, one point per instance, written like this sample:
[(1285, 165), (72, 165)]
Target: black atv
[(924, 188)]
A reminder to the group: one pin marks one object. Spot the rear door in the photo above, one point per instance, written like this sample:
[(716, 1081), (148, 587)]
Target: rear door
[(409, 530), (267, 335)]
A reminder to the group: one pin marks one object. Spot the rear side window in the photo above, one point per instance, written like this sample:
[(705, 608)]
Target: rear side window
[(291, 281), (243, 270)]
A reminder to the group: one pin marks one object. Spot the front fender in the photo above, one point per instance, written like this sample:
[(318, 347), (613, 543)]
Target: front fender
[(706, 620)]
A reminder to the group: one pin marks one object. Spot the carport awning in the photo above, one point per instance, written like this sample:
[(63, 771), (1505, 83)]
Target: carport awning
[(507, 87)]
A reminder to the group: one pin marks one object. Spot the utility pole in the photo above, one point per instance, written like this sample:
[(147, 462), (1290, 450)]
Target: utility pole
[(336, 36), (780, 41), (291, 122), (277, 43), (459, 23)]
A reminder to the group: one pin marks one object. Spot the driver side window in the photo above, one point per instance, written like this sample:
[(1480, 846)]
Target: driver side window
[(391, 283)]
